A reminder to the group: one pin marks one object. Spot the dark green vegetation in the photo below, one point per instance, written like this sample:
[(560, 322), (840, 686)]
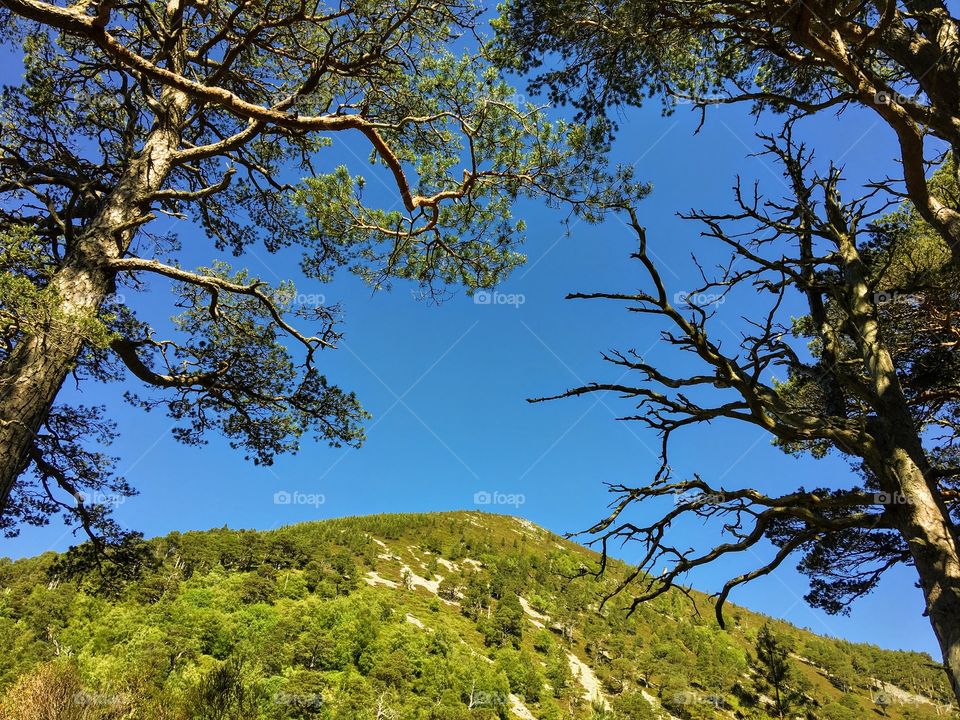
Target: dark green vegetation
[(441, 616), (220, 112)]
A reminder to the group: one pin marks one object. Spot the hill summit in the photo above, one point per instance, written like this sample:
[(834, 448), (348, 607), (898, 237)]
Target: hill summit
[(443, 616)]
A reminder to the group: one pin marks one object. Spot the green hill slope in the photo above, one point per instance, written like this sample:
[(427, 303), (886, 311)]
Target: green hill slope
[(448, 616)]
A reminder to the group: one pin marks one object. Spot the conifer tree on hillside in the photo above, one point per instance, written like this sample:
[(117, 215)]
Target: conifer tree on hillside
[(773, 660)]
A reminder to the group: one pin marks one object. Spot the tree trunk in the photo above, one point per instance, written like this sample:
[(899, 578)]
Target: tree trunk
[(925, 523), (894, 452), (33, 374), (916, 505), (913, 500)]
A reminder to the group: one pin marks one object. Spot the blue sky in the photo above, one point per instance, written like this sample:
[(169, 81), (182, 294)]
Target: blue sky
[(447, 384)]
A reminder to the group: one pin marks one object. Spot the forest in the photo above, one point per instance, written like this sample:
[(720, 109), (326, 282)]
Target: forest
[(434, 616), (198, 196)]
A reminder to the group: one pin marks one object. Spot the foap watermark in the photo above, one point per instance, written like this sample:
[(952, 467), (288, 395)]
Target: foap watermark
[(518, 99), (298, 700), (702, 99), (885, 298), (688, 697), (99, 699), (491, 297), (885, 699), (100, 498), (488, 698), (886, 97), (697, 497), (104, 301), (312, 300), (286, 497), (485, 497), (290, 298), (890, 498), (698, 299)]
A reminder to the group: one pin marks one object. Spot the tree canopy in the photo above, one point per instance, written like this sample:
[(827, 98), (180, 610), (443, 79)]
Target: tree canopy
[(867, 370), (899, 58), (220, 114)]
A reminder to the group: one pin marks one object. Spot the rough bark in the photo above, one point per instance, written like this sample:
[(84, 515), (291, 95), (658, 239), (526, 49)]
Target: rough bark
[(36, 369), (925, 524), (897, 458), (894, 451)]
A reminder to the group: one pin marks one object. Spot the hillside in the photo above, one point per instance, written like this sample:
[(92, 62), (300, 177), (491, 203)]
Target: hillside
[(443, 616)]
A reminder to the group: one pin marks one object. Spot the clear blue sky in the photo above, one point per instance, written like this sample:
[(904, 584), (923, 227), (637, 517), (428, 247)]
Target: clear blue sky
[(447, 384)]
